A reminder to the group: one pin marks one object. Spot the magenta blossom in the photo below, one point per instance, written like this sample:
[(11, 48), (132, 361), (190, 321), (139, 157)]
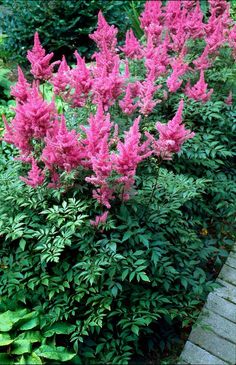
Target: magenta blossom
[(35, 175), (40, 62), (62, 148), (62, 78), (33, 119), (21, 89), (199, 92), (102, 167), (105, 35), (132, 48), (99, 219), (127, 103), (130, 153), (229, 99), (171, 135)]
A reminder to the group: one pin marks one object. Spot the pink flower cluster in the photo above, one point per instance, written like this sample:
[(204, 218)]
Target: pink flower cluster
[(108, 155)]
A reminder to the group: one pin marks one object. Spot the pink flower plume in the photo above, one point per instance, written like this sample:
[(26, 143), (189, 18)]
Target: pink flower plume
[(199, 92), (40, 62)]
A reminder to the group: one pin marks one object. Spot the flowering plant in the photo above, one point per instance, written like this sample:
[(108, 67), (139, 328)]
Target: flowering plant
[(107, 154)]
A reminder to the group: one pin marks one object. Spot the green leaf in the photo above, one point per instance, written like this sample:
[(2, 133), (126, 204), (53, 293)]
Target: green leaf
[(32, 359), (22, 244), (135, 329), (31, 336), (32, 323), (20, 347), (59, 329), (127, 235), (9, 318), (124, 274), (144, 276), (5, 339), (54, 353)]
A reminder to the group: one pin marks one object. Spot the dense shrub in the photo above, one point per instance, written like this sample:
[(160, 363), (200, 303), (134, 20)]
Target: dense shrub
[(64, 25), (119, 247)]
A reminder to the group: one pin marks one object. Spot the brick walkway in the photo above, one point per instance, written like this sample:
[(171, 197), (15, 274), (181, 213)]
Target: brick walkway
[(213, 338)]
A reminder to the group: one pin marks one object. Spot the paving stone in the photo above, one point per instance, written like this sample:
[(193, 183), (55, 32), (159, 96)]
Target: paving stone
[(193, 354), (227, 291), (214, 344), (222, 307), (228, 274), (231, 261), (219, 325)]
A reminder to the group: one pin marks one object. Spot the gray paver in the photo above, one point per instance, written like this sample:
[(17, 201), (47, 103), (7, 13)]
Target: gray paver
[(227, 291), (193, 354), (228, 274), (214, 344), (231, 261), (213, 338), (222, 307), (219, 325)]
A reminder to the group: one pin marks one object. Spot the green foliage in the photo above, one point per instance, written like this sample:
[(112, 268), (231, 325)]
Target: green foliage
[(116, 287), (112, 294), (22, 341), (63, 25), (5, 83)]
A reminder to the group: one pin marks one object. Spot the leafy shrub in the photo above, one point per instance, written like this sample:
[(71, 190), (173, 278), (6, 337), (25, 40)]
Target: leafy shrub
[(113, 286), (5, 84), (63, 24), (123, 280)]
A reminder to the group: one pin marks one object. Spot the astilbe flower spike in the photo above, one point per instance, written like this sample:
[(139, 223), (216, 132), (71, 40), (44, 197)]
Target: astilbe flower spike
[(229, 99), (63, 149), (132, 48), (99, 219), (33, 119), (151, 19), (130, 153), (105, 35), (62, 78), (107, 86), (81, 82), (35, 175), (232, 40), (146, 93), (194, 25), (40, 62), (199, 92), (21, 89), (99, 128), (179, 69), (127, 103), (203, 62), (171, 135), (102, 167)]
